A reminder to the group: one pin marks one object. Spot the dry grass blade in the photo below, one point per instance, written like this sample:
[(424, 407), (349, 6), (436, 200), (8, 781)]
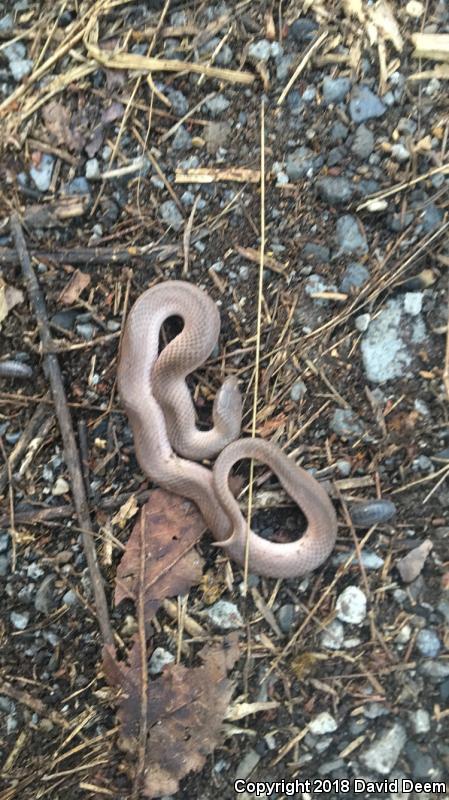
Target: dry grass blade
[(434, 46), (215, 174)]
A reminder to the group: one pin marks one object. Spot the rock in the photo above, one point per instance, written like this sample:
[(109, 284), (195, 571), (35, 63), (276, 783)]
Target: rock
[(314, 283), (43, 599), (19, 620), (283, 67), (333, 635), (182, 139), (338, 132), (78, 186), (20, 68), (351, 605), (437, 671), (261, 50), (399, 152), (6, 24), (382, 755), (413, 303), (336, 191), (224, 615), (303, 29), (431, 218), (372, 512), (336, 156), (364, 104), (344, 468), (421, 763), (216, 105), (428, 643), (354, 277), (362, 322), (322, 723), (316, 252), (171, 215), (159, 659), (346, 424), (363, 142), (411, 565), (385, 350), (179, 102), (369, 559), (65, 318), (86, 330), (4, 566), (287, 616), (42, 173), (298, 391), (60, 487), (350, 237), (70, 598), (420, 720), (335, 89), (300, 163), (375, 710), (92, 169)]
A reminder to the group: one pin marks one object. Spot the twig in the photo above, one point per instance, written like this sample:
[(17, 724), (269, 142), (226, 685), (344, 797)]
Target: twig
[(187, 236), (71, 455), (29, 432), (91, 255)]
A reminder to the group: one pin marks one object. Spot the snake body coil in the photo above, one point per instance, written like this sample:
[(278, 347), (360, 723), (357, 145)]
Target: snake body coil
[(168, 444)]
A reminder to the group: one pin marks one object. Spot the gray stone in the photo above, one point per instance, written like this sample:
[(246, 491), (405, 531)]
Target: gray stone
[(382, 755), (78, 186), (372, 512), (345, 423), (182, 139), (322, 723), (298, 391), (224, 615), (344, 468), (354, 277), (6, 24), (287, 616), (300, 163), (369, 559), (171, 215), (261, 50), (43, 598), (362, 322), (349, 235), (431, 218), (336, 191), (413, 303), (316, 252), (336, 156), (315, 283), (92, 169), (86, 329), (216, 105), (364, 105), (159, 659), (437, 671), (385, 353), (20, 68), (363, 142), (248, 763), (428, 643), (339, 131), (335, 89), (420, 720), (351, 605), (333, 635), (4, 566), (42, 173), (179, 102), (70, 598), (19, 620), (399, 152)]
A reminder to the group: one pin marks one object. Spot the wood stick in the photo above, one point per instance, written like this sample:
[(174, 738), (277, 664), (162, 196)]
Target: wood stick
[(71, 456), (91, 255)]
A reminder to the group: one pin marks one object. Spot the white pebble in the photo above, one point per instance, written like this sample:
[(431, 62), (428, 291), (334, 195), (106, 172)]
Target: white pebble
[(351, 605), (322, 723), (60, 487)]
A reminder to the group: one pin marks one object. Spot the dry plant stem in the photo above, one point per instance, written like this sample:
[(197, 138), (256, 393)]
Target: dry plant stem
[(71, 455), (258, 331), (29, 432), (90, 255)]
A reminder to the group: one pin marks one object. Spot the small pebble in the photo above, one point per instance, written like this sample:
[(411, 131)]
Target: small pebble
[(350, 236), (428, 643), (224, 615), (364, 105), (333, 635), (19, 620), (216, 105), (382, 755), (60, 487), (351, 605), (171, 215), (298, 391), (346, 424), (413, 303), (420, 720), (362, 322), (335, 89), (42, 173), (159, 659), (323, 723), (92, 169)]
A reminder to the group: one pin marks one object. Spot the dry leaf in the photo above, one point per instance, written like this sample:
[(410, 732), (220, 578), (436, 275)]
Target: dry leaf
[(412, 564), (171, 527), (127, 511), (184, 711), (76, 285), (57, 120), (9, 297), (382, 17)]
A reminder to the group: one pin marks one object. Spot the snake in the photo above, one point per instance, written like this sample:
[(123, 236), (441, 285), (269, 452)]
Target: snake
[(169, 446)]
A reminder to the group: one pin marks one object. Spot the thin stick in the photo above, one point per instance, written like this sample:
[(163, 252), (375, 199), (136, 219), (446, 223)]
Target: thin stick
[(258, 331), (308, 54), (71, 455)]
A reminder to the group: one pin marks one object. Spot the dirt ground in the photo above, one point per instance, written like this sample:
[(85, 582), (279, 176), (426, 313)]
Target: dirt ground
[(126, 173)]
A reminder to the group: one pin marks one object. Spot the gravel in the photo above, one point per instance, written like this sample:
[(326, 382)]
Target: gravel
[(383, 754), (351, 605)]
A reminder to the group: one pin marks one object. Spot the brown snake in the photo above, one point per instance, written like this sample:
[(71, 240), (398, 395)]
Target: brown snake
[(162, 416)]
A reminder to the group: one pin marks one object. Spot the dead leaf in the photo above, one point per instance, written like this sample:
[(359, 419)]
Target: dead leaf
[(382, 17), (412, 564), (9, 297), (76, 285), (57, 120), (172, 526), (185, 709), (127, 511)]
